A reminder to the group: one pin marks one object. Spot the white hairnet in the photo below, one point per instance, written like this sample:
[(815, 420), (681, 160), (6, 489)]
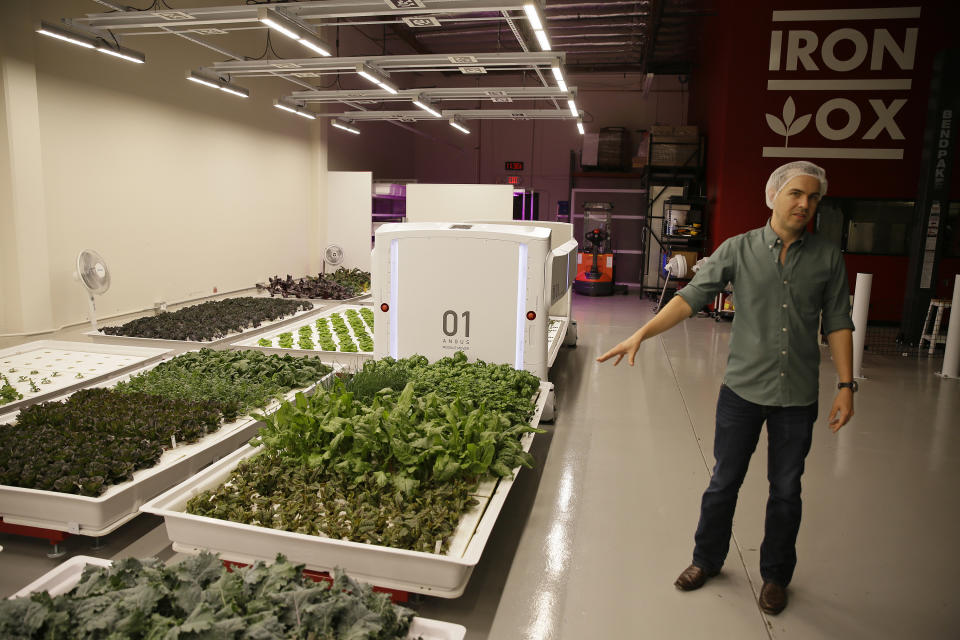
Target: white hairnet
[(784, 174)]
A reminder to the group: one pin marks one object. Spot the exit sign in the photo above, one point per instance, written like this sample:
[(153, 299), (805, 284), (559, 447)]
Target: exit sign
[(513, 180), (513, 166)]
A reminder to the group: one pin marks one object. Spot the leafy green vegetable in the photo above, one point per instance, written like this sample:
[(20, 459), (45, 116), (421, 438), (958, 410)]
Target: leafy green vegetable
[(237, 380), (97, 437), (209, 320), (367, 462), (8, 393), (339, 285), (198, 598)]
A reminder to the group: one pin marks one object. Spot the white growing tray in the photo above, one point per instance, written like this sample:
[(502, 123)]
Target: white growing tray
[(65, 576), (68, 359), (311, 322), (226, 338), (120, 503), (445, 576)]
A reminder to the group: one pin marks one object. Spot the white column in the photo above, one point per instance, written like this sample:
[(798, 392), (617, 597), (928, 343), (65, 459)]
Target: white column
[(861, 308), (951, 356), (27, 304)]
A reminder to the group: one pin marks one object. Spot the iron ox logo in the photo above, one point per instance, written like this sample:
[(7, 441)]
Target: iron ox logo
[(863, 116)]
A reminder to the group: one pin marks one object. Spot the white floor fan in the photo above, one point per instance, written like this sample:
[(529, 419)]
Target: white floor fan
[(676, 267), (332, 255), (93, 274)]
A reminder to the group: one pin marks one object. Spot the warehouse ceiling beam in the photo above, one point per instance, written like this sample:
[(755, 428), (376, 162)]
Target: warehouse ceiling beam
[(327, 10), (494, 94), (462, 114), (433, 62)]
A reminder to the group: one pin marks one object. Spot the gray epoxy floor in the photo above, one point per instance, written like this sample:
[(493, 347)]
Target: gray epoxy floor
[(588, 544)]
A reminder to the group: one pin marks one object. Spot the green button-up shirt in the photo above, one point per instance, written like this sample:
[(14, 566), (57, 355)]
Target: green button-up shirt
[(774, 352)]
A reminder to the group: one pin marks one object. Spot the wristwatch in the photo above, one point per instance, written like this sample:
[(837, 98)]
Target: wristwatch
[(853, 386)]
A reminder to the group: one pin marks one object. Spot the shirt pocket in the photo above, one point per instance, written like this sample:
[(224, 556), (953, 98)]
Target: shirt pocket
[(809, 284)]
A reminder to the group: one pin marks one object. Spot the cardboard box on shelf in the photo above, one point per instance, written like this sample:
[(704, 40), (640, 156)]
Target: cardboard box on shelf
[(674, 155), (690, 257)]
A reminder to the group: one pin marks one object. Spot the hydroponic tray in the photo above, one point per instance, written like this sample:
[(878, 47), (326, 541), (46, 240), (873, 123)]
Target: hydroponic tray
[(63, 366), (273, 337), (120, 503), (556, 331), (443, 575), (226, 338), (65, 576)]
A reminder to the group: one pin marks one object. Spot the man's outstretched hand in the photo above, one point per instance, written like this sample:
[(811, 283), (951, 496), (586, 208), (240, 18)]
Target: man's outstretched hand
[(628, 347)]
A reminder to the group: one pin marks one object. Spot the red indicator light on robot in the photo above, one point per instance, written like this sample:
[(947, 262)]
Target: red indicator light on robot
[(384, 307), (531, 315)]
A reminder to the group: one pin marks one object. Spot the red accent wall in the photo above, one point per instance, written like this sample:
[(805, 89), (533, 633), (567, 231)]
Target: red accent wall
[(730, 99)]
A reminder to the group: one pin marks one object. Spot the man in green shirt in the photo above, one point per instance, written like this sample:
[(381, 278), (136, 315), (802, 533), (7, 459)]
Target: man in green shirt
[(785, 279)]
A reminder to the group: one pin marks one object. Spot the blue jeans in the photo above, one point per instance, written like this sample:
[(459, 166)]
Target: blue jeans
[(789, 433)]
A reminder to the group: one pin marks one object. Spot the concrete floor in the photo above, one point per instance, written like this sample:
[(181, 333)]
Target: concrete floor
[(588, 544)]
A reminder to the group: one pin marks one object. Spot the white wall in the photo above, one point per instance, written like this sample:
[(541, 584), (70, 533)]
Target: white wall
[(349, 224), (459, 202), (180, 188)]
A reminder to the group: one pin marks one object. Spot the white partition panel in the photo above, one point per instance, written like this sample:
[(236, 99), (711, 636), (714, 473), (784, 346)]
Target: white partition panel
[(459, 202), (349, 216)]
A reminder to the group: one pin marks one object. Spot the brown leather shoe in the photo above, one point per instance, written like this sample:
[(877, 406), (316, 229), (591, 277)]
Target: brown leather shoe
[(693, 577), (773, 598)]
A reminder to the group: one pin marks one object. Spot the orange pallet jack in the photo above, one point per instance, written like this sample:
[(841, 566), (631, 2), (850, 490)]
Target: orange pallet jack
[(595, 269)]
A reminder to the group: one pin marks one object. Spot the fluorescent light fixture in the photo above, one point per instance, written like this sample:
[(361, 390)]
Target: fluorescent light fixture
[(456, 124), (558, 75), (293, 28), (121, 52), (218, 83), (573, 108), (533, 16), (295, 109), (426, 105), (315, 45), (273, 24), (376, 77), (237, 91), (542, 39), (343, 124), (580, 126), (60, 33)]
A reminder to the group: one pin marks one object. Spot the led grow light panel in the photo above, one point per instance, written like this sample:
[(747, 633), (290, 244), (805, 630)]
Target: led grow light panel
[(45, 367), (440, 575), (120, 503), (342, 329), (65, 576)]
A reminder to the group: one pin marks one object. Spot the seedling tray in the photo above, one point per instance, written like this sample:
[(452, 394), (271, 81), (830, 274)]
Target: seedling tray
[(226, 338), (120, 503), (273, 336), (65, 576), (66, 366), (443, 575)]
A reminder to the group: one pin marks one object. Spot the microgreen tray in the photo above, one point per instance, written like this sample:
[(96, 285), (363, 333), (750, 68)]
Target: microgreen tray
[(42, 368), (120, 503), (274, 339), (65, 576), (226, 338), (443, 575)]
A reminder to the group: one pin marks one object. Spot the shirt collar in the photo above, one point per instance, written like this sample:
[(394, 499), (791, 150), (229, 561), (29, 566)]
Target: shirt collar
[(773, 241)]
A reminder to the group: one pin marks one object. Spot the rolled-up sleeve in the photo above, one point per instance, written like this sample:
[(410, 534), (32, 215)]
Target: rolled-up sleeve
[(715, 272), (836, 298)]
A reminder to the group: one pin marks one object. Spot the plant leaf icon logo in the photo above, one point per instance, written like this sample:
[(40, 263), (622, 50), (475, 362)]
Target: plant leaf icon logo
[(788, 126)]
